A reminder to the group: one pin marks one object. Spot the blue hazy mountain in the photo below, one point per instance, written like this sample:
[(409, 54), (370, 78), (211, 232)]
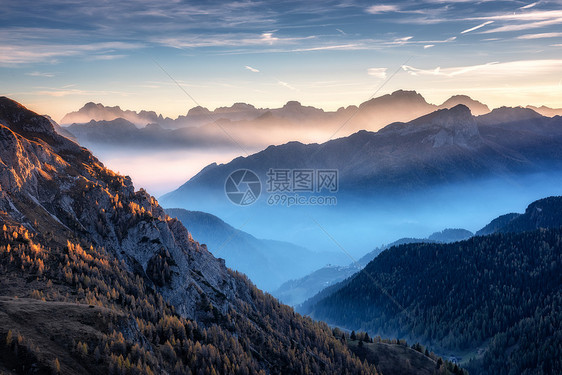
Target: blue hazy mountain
[(491, 301), (426, 169), (267, 263), (295, 292)]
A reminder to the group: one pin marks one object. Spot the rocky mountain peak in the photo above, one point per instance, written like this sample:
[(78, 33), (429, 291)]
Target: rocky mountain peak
[(20, 119), (195, 111), (508, 114), (56, 186), (455, 126), (477, 108)]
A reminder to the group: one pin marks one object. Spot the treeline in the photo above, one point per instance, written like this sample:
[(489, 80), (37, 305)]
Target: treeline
[(505, 288), (145, 335)]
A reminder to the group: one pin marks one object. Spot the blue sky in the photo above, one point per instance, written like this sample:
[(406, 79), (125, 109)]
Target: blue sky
[(56, 55)]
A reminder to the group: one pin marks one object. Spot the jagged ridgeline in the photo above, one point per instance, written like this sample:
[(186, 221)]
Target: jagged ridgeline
[(96, 278)]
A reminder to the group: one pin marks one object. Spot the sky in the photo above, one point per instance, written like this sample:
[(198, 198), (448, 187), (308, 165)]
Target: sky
[(56, 55)]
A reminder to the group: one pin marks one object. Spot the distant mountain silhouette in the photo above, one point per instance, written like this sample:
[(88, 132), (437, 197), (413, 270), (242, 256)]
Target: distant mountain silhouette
[(446, 146), (98, 112), (477, 108), (546, 111), (247, 125)]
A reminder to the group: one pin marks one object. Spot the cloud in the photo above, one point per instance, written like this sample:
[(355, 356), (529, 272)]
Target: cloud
[(448, 72), (40, 74), (477, 27), (382, 8), (269, 38), (522, 68), (331, 47), (285, 84), (530, 5), (229, 40), (107, 57), (252, 69), (428, 46), (377, 72), (525, 26), (524, 16), (403, 40), (68, 91), (11, 54), (540, 36), (524, 20)]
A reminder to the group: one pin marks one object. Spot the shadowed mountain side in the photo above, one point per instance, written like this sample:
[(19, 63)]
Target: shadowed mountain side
[(544, 213), (267, 263), (448, 293), (295, 292)]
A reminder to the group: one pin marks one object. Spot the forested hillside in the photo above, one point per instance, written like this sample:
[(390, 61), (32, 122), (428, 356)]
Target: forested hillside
[(502, 289)]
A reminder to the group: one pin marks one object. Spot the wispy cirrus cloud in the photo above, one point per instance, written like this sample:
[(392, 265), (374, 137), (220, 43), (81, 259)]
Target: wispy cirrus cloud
[(528, 6), (285, 84), (254, 70), (25, 53), (527, 68), (524, 26), (377, 72), (540, 36), (40, 74), (229, 40), (477, 27), (339, 47), (382, 8)]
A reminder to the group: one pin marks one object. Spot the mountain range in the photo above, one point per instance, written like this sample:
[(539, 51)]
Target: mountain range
[(97, 278), (96, 125), (496, 162), (445, 146)]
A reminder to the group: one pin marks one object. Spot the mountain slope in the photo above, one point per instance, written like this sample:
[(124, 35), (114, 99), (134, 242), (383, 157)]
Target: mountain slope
[(544, 213), (311, 287), (267, 263), (463, 296), (75, 233)]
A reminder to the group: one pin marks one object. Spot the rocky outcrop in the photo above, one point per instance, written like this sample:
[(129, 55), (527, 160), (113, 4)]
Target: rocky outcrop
[(52, 185)]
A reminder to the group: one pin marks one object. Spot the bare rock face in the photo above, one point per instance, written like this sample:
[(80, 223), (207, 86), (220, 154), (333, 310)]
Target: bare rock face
[(455, 126), (53, 185)]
